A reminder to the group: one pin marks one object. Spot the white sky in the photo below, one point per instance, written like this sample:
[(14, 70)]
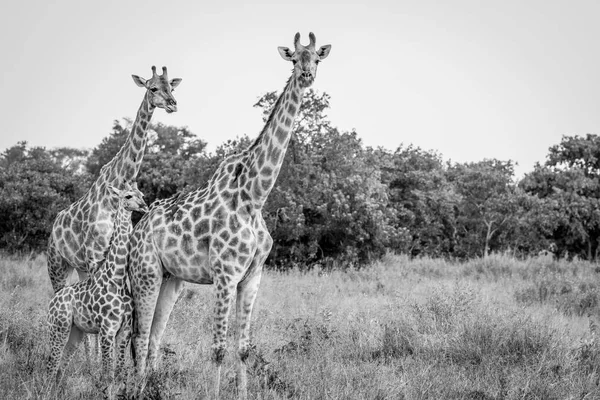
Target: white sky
[(470, 79)]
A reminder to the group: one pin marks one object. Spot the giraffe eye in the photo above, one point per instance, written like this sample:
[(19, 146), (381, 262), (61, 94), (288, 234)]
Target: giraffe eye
[(128, 196), (154, 90), (317, 61), (294, 62)]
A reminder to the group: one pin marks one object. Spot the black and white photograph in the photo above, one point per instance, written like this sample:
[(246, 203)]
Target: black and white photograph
[(362, 200)]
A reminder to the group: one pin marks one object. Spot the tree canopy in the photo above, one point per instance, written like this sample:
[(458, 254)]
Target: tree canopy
[(337, 202)]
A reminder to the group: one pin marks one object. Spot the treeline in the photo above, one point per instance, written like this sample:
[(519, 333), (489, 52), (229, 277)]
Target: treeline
[(336, 202)]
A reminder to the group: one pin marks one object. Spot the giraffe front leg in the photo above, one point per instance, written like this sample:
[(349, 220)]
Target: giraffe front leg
[(123, 342), (246, 295), (107, 343), (224, 290)]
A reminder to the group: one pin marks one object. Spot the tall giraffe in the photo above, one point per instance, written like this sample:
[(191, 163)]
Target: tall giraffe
[(81, 232), (216, 235), (101, 303)]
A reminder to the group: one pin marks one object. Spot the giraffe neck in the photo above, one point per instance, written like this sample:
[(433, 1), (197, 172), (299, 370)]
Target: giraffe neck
[(114, 268), (125, 165), (266, 154)]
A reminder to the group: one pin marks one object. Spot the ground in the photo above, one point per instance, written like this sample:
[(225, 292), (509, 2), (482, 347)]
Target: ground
[(488, 329)]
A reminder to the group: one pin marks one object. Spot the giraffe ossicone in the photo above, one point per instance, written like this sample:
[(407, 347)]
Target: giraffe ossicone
[(100, 304), (217, 235)]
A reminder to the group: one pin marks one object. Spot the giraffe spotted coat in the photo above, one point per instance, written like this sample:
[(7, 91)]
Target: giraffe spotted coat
[(100, 304), (216, 235)]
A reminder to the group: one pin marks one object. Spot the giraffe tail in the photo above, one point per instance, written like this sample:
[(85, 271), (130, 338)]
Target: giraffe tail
[(134, 330)]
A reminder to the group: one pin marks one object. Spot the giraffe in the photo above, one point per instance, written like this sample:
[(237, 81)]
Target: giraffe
[(101, 303), (216, 235), (81, 232)]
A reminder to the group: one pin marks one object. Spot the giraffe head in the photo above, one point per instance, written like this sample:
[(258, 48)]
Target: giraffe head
[(130, 198), (160, 89), (305, 59)]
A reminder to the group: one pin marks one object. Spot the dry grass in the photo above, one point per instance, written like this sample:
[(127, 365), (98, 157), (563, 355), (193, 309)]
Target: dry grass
[(423, 329)]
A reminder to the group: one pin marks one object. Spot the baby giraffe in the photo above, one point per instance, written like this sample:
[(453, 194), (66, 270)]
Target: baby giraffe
[(101, 303)]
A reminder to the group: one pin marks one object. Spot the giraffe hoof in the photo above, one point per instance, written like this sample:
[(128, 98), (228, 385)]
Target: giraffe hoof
[(218, 355)]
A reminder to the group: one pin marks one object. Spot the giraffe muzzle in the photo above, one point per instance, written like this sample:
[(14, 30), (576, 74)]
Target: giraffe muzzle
[(306, 78), (171, 106)]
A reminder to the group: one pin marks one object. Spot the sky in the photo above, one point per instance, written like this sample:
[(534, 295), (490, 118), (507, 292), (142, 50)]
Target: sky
[(468, 79)]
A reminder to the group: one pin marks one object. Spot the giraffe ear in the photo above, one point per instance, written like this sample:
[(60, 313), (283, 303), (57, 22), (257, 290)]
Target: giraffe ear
[(175, 82), (141, 82), (285, 53), (114, 189), (324, 51)]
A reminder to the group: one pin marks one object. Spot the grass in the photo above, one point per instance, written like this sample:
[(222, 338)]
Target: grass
[(488, 329)]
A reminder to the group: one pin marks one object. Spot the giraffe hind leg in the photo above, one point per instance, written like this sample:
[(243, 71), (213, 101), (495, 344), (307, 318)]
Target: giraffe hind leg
[(60, 321), (145, 290), (59, 337), (246, 296), (122, 344), (75, 337), (224, 293), (169, 293)]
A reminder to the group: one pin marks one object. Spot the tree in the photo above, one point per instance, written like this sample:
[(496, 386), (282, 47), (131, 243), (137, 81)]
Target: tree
[(34, 187), (488, 204), (423, 199), (569, 185)]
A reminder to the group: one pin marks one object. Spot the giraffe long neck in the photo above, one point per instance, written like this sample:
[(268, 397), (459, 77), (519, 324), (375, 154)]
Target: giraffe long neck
[(266, 154), (116, 259), (125, 165)]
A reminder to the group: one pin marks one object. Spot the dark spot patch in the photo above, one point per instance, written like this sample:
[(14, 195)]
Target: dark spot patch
[(186, 225), (244, 196), (196, 213), (225, 236), (217, 244), (227, 269), (186, 244), (275, 156), (266, 171), (260, 160), (175, 229), (171, 242), (238, 170), (266, 184), (244, 249), (201, 228), (281, 134)]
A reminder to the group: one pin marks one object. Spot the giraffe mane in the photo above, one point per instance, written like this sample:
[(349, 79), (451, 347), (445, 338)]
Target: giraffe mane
[(272, 115)]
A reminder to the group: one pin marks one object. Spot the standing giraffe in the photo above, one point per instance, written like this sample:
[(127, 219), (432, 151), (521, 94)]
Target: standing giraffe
[(101, 303), (80, 233), (216, 235)]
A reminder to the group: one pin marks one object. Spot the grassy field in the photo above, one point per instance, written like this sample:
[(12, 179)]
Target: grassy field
[(422, 329)]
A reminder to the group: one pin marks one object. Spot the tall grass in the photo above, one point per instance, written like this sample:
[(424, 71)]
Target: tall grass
[(497, 328)]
